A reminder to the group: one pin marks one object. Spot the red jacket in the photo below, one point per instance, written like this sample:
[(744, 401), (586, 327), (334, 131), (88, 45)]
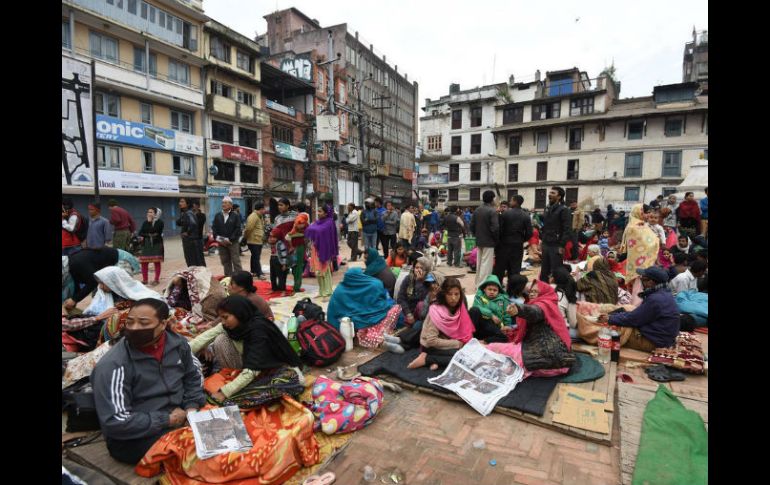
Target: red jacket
[(69, 239)]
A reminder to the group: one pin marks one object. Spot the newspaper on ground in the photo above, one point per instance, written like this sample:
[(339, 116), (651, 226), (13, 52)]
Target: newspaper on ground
[(479, 376), (219, 430)]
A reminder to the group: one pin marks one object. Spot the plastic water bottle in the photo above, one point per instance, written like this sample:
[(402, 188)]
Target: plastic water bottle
[(605, 345), (283, 327), (369, 474), (347, 330), (291, 334), (615, 352)]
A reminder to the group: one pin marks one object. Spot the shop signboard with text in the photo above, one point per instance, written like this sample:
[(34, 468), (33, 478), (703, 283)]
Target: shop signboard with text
[(433, 178), (284, 150), (142, 182), (117, 130)]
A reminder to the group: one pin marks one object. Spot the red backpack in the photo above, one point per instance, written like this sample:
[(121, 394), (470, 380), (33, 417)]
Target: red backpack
[(321, 343)]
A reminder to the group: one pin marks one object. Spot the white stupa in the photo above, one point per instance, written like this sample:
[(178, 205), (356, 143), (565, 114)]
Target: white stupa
[(696, 180)]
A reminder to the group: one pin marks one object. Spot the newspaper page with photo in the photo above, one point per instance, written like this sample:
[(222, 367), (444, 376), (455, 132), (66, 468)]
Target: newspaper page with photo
[(219, 430), (479, 376)]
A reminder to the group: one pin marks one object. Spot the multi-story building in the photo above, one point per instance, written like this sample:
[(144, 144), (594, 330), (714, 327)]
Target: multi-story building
[(387, 139), (458, 148), (148, 99), (695, 66), (234, 118)]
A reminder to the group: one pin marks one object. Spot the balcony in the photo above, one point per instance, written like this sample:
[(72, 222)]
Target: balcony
[(239, 111)]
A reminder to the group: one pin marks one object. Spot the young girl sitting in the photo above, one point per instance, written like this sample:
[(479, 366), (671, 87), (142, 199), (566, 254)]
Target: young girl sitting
[(397, 257), (604, 243)]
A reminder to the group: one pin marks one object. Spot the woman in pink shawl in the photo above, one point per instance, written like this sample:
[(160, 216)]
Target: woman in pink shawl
[(449, 326), (324, 247), (541, 344)]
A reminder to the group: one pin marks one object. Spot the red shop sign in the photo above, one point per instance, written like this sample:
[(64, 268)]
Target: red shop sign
[(232, 152)]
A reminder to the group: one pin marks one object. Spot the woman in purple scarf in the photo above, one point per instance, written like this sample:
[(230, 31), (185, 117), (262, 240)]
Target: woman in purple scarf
[(324, 247)]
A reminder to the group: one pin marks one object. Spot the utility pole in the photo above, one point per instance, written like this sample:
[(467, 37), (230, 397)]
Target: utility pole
[(330, 91), (382, 109)]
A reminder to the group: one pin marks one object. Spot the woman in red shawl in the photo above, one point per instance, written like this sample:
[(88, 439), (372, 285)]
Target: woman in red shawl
[(688, 213)]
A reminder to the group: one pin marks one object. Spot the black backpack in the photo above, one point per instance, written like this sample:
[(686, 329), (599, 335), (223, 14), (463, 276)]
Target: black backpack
[(310, 310), (78, 402), (321, 343)]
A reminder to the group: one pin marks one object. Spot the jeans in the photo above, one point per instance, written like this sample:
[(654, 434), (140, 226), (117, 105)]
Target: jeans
[(454, 251), (355, 251), (370, 240), (255, 263)]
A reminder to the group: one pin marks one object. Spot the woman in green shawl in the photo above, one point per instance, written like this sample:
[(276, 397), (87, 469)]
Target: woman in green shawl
[(599, 285), (376, 267)]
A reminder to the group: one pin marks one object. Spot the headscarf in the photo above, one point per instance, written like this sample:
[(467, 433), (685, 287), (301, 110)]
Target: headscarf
[(264, 346), (128, 262), (548, 302), (360, 297), (375, 263), (457, 326), (121, 283), (323, 234), (640, 242), (603, 284), (157, 215), (685, 249), (302, 218)]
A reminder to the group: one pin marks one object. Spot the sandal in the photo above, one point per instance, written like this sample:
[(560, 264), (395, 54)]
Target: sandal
[(626, 378), (325, 479), (661, 373), (348, 373)]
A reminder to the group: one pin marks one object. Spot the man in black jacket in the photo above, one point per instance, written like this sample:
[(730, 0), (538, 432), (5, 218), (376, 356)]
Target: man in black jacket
[(227, 231), (485, 225), (455, 228), (557, 224), (201, 218), (188, 224), (515, 229)]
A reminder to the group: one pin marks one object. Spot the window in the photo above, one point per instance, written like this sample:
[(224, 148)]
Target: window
[(476, 116), (514, 142), (512, 193), (475, 194), (283, 172), (220, 49), (560, 86), (633, 165), (153, 11), (673, 127), (542, 171), (635, 130), (104, 47), (513, 172), (454, 173), (146, 113), (226, 171), (476, 143), (247, 138), (178, 72), (434, 143), (283, 133), (542, 142), (572, 169), (249, 174), (244, 61), (475, 172), (221, 89), (575, 138), (513, 115), (453, 194), (143, 11), (132, 6), (148, 162), (161, 18), (181, 121), (581, 106), (457, 145), (221, 131), (631, 194), (545, 111), (140, 61), (540, 195), (107, 104), (457, 119), (672, 164), (65, 34), (433, 169), (669, 190), (674, 95), (108, 156), (245, 98), (183, 166), (571, 195), (189, 36)]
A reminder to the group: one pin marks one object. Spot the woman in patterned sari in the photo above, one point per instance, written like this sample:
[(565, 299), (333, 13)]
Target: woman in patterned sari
[(641, 245)]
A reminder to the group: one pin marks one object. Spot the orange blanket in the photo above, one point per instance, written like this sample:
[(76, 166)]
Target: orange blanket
[(283, 439)]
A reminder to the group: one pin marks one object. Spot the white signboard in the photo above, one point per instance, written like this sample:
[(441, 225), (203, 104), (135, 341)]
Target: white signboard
[(142, 182), (77, 124), (187, 143), (328, 128)]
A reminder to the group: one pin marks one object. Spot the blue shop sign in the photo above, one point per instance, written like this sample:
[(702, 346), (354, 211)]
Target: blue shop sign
[(134, 133)]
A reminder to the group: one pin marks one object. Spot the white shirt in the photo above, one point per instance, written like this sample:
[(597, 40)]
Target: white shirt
[(352, 221), (226, 215), (683, 282), (70, 223)]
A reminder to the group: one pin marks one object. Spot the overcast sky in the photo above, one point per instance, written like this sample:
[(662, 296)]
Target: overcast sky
[(484, 41)]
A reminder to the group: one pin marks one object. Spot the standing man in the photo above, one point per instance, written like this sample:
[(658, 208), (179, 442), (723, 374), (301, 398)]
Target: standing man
[(369, 222), (578, 220), (407, 227), (467, 216), (515, 229), (188, 224), (555, 232), (99, 230), (380, 224), (486, 226), (390, 219), (255, 237), (455, 228), (352, 223), (435, 220), (72, 229), (200, 217), (123, 223), (704, 214), (597, 219), (227, 231)]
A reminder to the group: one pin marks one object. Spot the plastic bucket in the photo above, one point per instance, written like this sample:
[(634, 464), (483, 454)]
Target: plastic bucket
[(470, 243)]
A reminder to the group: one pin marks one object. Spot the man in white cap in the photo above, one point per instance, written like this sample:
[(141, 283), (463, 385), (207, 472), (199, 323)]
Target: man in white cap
[(227, 231)]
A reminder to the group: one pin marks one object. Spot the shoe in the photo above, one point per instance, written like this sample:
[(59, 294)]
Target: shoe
[(144, 283), (393, 347), (392, 339)]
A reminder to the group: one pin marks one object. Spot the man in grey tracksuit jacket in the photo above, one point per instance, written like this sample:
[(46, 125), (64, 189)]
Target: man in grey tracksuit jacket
[(135, 394)]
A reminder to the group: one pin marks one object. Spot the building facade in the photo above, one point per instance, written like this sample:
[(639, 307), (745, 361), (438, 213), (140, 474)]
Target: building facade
[(148, 97), (695, 64)]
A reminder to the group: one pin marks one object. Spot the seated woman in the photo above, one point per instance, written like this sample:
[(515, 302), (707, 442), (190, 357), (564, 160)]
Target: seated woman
[(78, 271), (247, 341), (516, 283), (364, 300), (566, 294), (412, 291), (471, 258), (449, 325), (146, 384), (204, 295), (378, 268), (242, 283), (397, 256), (410, 338), (599, 285), (592, 254)]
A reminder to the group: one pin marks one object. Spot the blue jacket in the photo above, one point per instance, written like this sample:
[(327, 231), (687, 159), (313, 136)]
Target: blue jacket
[(704, 208), (434, 218), (370, 220), (657, 318), (380, 222)]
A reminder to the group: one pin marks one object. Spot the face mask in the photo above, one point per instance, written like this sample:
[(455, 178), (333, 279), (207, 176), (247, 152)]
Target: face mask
[(139, 338), (518, 300)]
